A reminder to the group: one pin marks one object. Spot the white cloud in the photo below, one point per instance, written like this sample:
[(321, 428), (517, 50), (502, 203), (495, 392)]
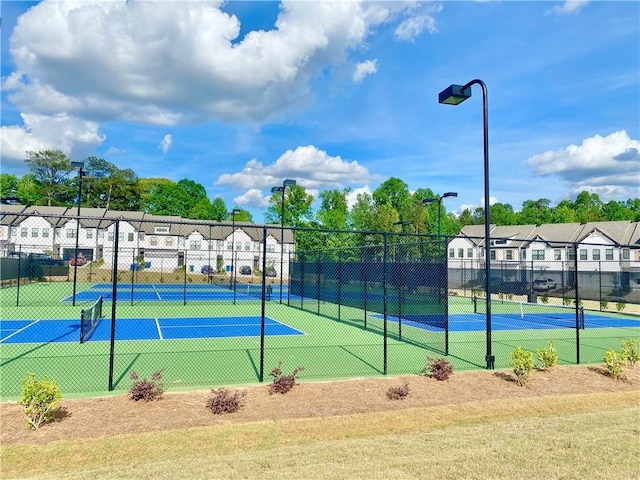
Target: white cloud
[(363, 69), (605, 165), (166, 142), (76, 138), (569, 7), (352, 197), (312, 168), (252, 198)]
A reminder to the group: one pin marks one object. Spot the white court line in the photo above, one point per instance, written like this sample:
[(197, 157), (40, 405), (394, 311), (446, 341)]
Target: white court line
[(19, 330), (159, 330)]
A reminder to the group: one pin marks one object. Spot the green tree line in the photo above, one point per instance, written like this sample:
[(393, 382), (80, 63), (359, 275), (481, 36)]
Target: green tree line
[(390, 208)]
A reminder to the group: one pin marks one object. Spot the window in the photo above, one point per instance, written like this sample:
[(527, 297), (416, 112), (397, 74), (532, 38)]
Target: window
[(45, 233), (625, 254), (247, 246), (14, 231), (452, 253), (34, 232), (161, 230), (195, 245), (583, 254), (89, 233), (595, 254), (229, 245), (537, 255), (120, 236), (608, 254), (523, 254), (141, 236), (130, 237), (220, 244), (57, 230), (238, 246), (71, 233), (469, 252), (110, 236), (493, 254), (271, 248), (571, 254), (557, 254), (24, 231), (500, 242), (509, 254), (461, 253), (168, 241), (154, 241)]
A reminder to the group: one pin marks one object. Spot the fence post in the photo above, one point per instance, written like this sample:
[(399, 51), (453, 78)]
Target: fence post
[(114, 300), (384, 301), (577, 302), (264, 267)]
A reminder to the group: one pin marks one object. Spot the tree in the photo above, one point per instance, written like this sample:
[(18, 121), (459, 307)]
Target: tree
[(107, 186), (465, 217), (218, 209), (8, 185), (334, 211), (29, 191), (50, 168), (297, 207), (535, 212), (588, 207), (502, 214), (395, 193)]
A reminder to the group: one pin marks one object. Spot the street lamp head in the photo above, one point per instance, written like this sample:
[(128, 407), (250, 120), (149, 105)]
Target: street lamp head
[(288, 183), (429, 200), (450, 194), (277, 189), (233, 212), (454, 94), (77, 165)]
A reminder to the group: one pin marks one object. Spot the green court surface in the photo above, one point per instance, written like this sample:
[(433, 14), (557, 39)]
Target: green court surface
[(339, 342)]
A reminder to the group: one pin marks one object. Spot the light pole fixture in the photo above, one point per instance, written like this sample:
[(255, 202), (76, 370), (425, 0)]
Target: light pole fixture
[(232, 277), (286, 183), (454, 95), (79, 166), (439, 200)]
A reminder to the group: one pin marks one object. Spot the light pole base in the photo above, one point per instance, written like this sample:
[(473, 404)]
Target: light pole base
[(491, 361)]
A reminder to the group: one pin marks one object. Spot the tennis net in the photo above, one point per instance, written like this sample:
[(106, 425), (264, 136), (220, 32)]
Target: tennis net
[(563, 316), (89, 319)]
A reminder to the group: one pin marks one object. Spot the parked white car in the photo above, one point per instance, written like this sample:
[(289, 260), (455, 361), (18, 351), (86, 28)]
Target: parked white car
[(544, 284)]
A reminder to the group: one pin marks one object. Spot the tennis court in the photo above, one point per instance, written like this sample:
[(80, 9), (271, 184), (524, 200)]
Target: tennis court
[(162, 292), (61, 330)]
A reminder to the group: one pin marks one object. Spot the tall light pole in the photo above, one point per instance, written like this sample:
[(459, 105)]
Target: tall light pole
[(439, 200), (232, 278), (79, 166), (287, 183), (455, 95)]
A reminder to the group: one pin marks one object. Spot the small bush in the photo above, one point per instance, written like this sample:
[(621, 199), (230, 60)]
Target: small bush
[(438, 368), (283, 383), (223, 401), (548, 357), (615, 364), (146, 389), (603, 304), (620, 306), (39, 399), (522, 364), (579, 303), (398, 393), (544, 298), (509, 296), (630, 351)]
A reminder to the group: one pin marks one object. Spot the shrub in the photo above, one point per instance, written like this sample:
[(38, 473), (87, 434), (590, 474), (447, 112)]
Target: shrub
[(630, 351), (620, 306), (283, 383), (544, 298), (548, 357), (146, 389), (223, 401), (603, 304), (510, 296), (398, 393), (566, 301), (579, 302), (438, 368), (521, 363), (615, 364), (39, 399)]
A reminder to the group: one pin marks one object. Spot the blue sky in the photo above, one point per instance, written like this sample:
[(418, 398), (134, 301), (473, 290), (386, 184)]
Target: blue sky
[(238, 96)]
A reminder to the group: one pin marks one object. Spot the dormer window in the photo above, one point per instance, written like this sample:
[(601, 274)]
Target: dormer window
[(161, 230)]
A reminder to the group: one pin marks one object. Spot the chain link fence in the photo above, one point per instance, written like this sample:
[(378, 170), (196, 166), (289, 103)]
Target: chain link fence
[(222, 303)]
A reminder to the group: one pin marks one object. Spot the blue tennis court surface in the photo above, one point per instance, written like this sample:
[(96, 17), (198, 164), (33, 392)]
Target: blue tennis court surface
[(510, 321), (49, 331), (162, 292)]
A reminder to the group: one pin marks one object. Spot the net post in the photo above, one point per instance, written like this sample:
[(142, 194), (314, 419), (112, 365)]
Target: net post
[(114, 301), (384, 301), (577, 302)]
